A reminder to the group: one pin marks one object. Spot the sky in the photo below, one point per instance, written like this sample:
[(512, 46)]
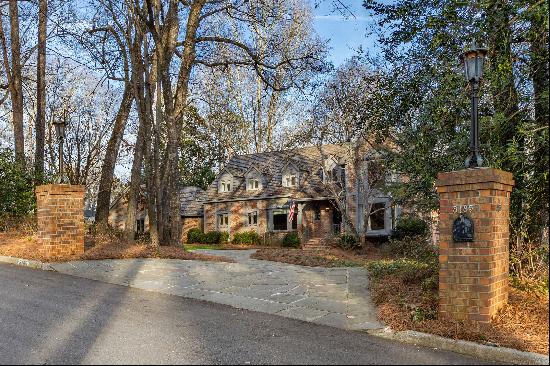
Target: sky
[(345, 32)]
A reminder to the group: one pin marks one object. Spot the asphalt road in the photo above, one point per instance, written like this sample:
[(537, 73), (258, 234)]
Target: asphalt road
[(51, 318)]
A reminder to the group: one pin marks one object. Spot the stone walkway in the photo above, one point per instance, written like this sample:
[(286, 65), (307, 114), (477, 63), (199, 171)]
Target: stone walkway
[(331, 296)]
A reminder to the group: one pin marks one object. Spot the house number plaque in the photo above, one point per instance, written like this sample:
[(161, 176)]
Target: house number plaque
[(463, 229)]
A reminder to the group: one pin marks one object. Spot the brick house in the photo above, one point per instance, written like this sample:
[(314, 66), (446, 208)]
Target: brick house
[(256, 191), (191, 211)]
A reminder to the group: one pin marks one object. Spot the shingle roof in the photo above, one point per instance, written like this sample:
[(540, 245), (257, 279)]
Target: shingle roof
[(308, 160), (191, 199)]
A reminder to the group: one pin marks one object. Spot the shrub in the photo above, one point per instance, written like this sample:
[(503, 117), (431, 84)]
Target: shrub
[(247, 237), (291, 240), (347, 242), (16, 188), (410, 226), (195, 236), (402, 267), (417, 247), (223, 238), (212, 237)]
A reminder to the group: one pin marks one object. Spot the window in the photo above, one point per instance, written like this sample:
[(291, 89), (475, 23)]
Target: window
[(279, 220), (376, 218), (140, 226), (252, 218), (253, 184), (290, 177), (290, 181), (223, 220), (225, 183), (226, 186)]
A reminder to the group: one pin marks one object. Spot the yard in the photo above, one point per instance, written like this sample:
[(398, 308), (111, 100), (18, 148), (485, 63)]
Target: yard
[(405, 291)]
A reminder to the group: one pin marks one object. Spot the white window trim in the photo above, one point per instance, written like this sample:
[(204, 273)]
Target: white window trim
[(222, 226), (254, 179), (247, 216), (287, 176), (225, 181), (387, 218)]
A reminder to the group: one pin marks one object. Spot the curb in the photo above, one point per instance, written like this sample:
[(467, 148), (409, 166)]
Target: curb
[(26, 263), (500, 354)]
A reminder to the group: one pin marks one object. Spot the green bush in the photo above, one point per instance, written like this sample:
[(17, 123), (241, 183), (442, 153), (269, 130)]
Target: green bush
[(348, 241), (195, 236), (212, 237), (410, 226), (223, 238), (247, 237), (291, 240), (16, 188)]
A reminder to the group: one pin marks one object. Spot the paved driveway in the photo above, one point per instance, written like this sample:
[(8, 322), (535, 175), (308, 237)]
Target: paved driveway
[(331, 296)]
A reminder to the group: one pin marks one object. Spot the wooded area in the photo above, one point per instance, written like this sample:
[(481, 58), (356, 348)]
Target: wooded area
[(168, 90)]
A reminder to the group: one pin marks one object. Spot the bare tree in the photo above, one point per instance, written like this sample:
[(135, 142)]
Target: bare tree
[(40, 123), (13, 71), (350, 112)]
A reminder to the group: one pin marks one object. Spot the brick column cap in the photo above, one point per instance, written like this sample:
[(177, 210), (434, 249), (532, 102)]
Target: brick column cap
[(473, 176), (60, 188)]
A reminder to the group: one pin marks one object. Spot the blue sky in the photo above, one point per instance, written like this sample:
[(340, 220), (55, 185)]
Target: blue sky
[(346, 33)]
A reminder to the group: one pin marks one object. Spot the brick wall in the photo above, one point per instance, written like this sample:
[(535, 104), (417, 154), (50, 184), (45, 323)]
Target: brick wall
[(60, 219), (473, 277)]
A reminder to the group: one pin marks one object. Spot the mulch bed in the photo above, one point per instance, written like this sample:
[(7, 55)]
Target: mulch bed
[(100, 247), (329, 258), (522, 324)]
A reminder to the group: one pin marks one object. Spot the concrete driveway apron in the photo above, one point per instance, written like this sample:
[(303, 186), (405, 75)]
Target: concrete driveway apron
[(336, 297)]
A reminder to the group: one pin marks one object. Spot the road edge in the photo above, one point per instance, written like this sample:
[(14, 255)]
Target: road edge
[(30, 263), (500, 354)]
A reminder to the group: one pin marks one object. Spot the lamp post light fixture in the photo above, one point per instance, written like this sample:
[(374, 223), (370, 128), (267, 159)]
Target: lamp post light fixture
[(60, 132), (473, 60)]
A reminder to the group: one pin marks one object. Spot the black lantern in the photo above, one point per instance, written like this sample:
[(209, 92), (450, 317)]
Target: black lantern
[(473, 60), (60, 132)]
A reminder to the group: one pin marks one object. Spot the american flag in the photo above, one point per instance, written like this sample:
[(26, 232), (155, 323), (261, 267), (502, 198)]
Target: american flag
[(292, 210)]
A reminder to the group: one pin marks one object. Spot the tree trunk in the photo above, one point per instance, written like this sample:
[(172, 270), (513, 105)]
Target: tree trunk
[(16, 87), (502, 75), (40, 124), (111, 155)]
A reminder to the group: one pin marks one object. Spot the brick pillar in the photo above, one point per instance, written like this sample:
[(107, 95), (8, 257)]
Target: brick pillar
[(60, 219), (473, 275)]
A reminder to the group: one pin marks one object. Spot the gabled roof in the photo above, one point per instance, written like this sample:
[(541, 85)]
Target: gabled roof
[(308, 160)]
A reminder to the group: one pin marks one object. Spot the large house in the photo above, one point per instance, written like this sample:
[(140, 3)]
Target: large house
[(313, 191), (257, 192)]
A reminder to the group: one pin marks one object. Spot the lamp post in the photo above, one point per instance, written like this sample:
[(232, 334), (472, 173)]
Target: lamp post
[(473, 60), (60, 132)]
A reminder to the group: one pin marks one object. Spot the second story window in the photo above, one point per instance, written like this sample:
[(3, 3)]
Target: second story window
[(226, 186), (290, 181), (253, 184), (290, 177)]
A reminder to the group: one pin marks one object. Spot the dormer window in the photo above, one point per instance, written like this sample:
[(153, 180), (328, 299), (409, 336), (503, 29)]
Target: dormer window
[(290, 181), (253, 180), (253, 184), (290, 177), (225, 183)]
